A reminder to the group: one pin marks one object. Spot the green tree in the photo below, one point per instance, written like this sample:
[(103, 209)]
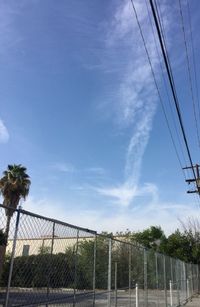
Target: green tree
[(183, 245), (85, 263), (42, 270), (44, 250), (191, 230), (14, 185), (178, 246), (152, 237)]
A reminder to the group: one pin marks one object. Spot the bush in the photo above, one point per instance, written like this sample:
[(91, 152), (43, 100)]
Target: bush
[(40, 271)]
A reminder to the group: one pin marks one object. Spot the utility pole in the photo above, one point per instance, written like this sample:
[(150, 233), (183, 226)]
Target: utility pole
[(195, 169)]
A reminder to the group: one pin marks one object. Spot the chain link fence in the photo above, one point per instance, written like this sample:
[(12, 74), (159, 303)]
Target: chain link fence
[(50, 263)]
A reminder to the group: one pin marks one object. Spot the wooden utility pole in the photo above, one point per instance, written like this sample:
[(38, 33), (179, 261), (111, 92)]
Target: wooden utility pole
[(195, 180)]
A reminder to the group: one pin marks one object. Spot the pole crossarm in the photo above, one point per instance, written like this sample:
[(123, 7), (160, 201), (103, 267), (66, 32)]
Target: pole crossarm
[(195, 169)]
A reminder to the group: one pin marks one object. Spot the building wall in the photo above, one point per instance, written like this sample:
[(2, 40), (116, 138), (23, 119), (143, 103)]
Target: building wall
[(35, 246)]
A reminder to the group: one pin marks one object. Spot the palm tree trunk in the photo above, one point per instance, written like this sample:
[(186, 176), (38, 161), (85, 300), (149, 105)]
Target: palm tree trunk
[(7, 227), (3, 247), (2, 258)]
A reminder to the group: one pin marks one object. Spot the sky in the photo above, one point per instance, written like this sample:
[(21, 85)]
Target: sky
[(79, 108)]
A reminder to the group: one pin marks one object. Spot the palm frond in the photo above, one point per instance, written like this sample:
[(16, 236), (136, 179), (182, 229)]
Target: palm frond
[(14, 184)]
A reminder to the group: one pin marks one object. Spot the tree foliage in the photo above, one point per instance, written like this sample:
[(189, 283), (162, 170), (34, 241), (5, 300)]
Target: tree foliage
[(152, 237), (184, 245), (75, 267), (14, 185)]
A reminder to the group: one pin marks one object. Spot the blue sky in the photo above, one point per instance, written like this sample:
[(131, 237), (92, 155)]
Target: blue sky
[(80, 110)]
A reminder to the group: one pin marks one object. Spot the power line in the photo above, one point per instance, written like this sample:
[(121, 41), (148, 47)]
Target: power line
[(162, 29), (156, 85), (170, 68), (168, 98), (189, 72), (193, 57), (161, 24), (171, 81), (153, 74)]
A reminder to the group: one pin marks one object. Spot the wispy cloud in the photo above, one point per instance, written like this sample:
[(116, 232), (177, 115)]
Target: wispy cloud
[(96, 170), (136, 97), (4, 135), (10, 36), (63, 167), (122, 195), (93, 171), (155, 213)]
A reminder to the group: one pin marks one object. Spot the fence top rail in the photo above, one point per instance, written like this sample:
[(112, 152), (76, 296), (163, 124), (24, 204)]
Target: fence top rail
[(51, 220), (86, 230), (93, 232), (130, 243), (113, 238)]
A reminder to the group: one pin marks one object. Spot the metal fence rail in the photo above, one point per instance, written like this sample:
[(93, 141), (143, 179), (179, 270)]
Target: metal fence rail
[(50, 263)]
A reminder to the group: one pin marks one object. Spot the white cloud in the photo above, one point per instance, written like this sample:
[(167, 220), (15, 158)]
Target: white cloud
[(136, 96), (69, 168), (4, 135), (125, 194), (137, 146), (44, 207), (136, 90), (165, 214), (63, 167), (10, 38), (122, 195)]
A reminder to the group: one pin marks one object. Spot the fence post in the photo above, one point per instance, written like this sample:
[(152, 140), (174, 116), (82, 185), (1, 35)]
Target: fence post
[(136, 296), (196, 280), (171, 269), (197, 277), (177, 283), (185, 280), (165, 279), (178, 294), (94, 269), (171, 293), (75, 268), (157, 284), (191, 274), (188, 289), (109, 270), (145, 279), (116, 284), (49, 269), (12, 258), (129, 274)]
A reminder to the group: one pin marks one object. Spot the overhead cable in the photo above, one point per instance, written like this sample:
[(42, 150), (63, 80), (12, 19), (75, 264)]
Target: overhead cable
[(156, 85), (168, 98), (173, 89), (189, 72), (193, 57)]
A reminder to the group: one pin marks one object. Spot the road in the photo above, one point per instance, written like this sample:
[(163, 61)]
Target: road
[(82, 299)]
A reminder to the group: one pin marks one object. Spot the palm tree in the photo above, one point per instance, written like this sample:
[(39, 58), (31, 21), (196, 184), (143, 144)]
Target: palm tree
[(14, 185)]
